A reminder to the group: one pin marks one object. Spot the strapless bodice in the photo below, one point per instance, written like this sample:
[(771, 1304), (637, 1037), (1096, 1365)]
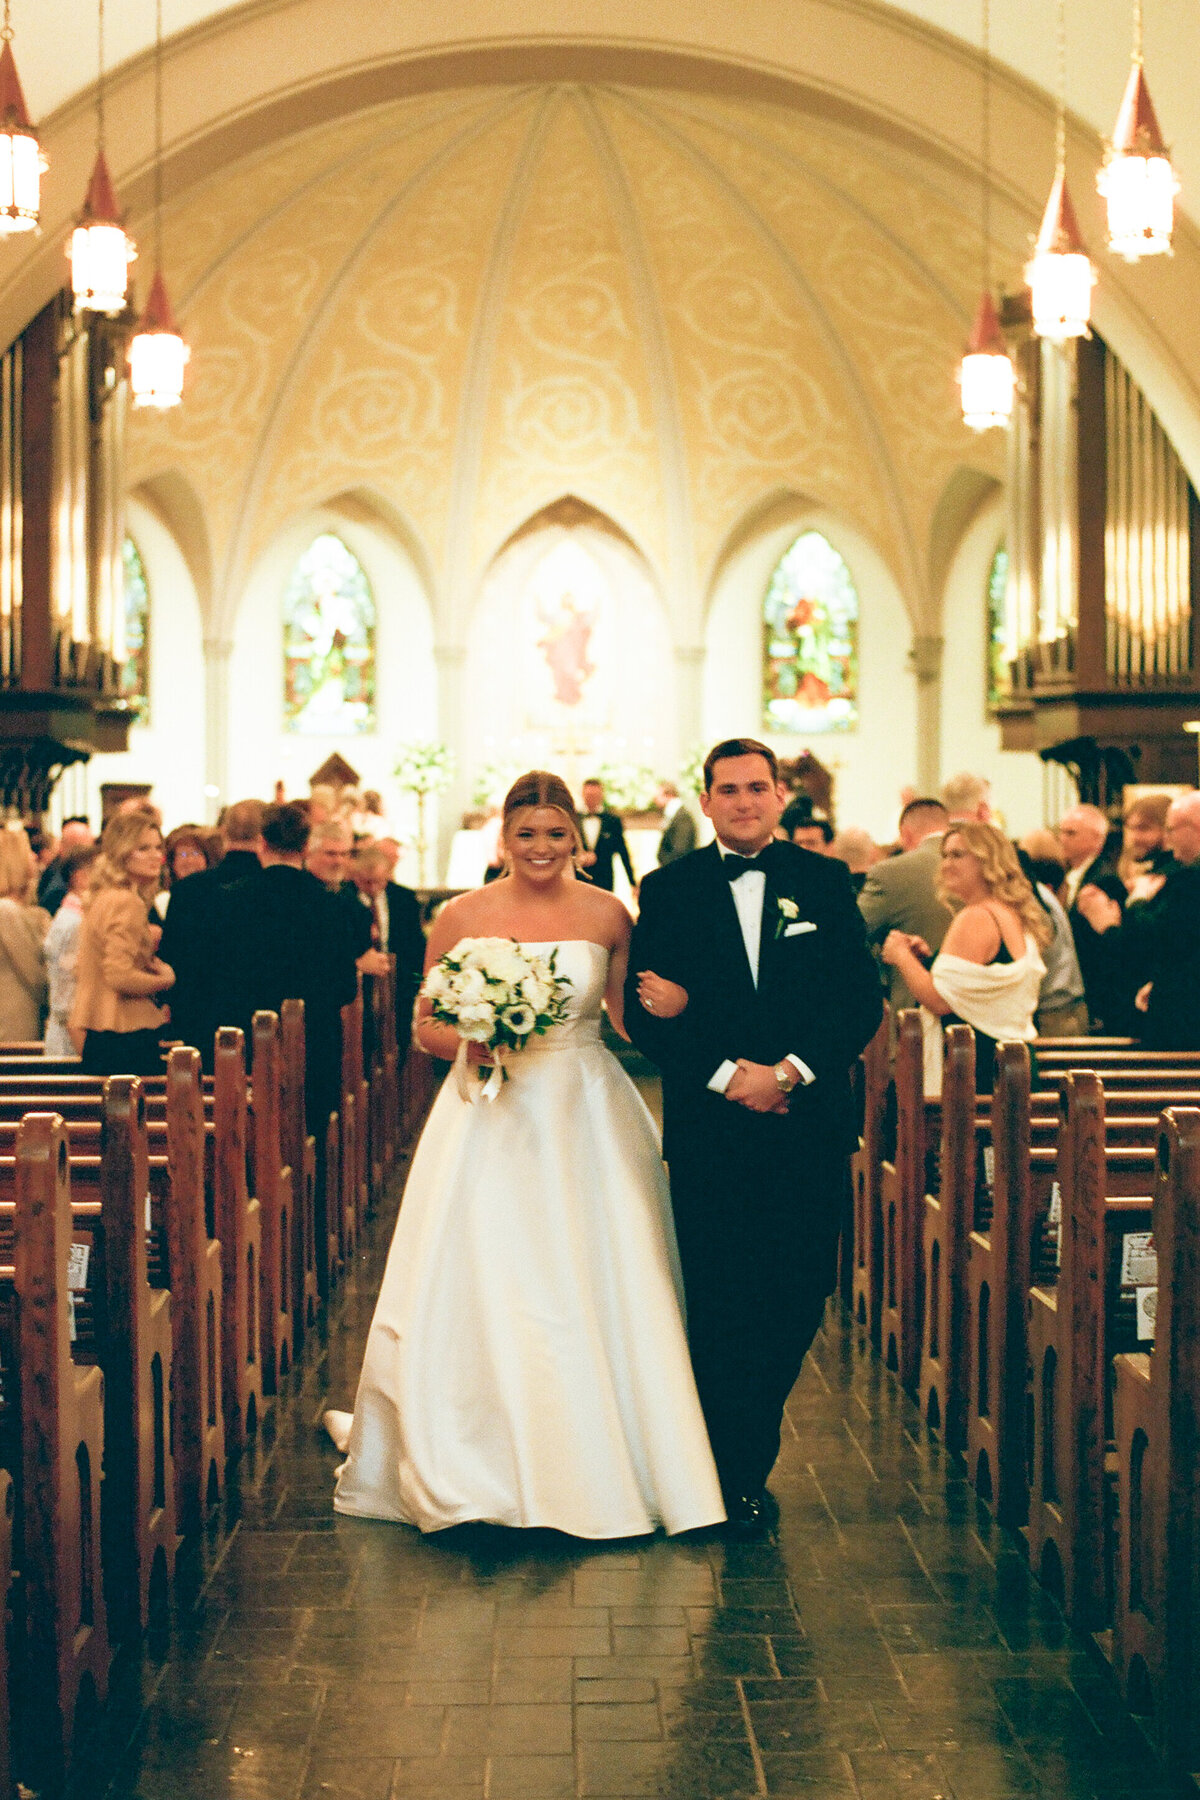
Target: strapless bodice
[(584, 964)]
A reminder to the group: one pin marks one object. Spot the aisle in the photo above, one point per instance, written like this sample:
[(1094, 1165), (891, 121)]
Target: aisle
[(890, 1645)]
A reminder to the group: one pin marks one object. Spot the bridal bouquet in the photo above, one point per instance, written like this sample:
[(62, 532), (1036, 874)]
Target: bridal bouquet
[(496, 994)]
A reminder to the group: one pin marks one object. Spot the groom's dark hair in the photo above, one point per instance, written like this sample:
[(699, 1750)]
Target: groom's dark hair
[(738, 747)]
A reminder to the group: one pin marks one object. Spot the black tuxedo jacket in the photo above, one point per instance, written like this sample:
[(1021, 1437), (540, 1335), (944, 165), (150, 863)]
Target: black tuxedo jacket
[(609, 846), (1099, 953), (406, 942), (818, 996), (196, 944)]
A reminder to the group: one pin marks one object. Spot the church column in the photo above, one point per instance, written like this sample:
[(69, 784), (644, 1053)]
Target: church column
[(689, 697), (451, 671), (925, 661), (217, 652)]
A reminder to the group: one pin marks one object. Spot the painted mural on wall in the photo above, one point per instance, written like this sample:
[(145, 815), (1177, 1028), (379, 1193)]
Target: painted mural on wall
[(810, 641), (135, 671), (329, 643)]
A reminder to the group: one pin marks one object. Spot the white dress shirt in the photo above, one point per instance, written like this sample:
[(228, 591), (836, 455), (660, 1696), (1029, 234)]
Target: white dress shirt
[(749, 892), (1075, 879), (591, 829)]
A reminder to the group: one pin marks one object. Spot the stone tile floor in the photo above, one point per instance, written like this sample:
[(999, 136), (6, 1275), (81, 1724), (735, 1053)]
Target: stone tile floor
[(890, 1644)]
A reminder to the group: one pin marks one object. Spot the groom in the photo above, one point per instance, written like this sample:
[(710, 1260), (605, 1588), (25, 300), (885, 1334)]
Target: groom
[(758, 1115)]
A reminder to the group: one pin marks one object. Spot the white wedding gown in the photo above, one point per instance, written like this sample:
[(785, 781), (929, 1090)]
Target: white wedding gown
[(527, 1363)]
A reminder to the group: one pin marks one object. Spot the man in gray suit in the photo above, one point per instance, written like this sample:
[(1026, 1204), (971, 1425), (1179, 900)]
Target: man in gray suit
[(679, 827), (898, 894)]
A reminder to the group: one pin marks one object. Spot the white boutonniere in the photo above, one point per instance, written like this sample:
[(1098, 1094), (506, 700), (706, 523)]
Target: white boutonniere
[(787, 910)]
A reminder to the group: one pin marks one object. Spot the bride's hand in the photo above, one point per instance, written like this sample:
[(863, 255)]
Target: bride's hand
[(480, 1055), (662, 998)]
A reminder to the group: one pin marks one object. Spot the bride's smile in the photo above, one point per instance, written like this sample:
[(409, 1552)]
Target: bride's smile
[(542, 845)]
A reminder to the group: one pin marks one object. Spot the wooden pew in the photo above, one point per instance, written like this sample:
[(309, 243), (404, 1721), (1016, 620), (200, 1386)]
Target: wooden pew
[(945, 1224), (6, 1546), (125, 1327), (299, 1155), (273, 1188), (865, 1170), (1156, 1614), (1105, 1192), (238, 1221), (901, 1195), (61, 1433), (355, 1110)]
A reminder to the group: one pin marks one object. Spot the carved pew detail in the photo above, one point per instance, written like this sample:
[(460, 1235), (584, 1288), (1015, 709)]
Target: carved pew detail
[(62, 1452), (299, 1155), (238, 1221), (273, 1189), (196, 1307), (945, 1222), (902, 1188), (865, 1167), (1156, 1637)]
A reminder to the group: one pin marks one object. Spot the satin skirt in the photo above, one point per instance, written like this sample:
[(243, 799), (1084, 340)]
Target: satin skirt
[(527, 1364)]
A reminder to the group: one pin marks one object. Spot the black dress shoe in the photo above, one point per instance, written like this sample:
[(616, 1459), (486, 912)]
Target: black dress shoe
[(752, 1516)]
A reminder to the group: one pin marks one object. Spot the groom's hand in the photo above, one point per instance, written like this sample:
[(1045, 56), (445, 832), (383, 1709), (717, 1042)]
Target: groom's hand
[(754, 1086)]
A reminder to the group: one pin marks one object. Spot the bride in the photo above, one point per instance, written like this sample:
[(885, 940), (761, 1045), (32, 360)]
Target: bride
[(527, 1364)]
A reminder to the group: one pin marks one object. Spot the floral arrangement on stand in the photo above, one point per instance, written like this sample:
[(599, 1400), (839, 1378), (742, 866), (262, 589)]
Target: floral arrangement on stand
[(423, 767), (492, 782), (496, 994), (628, 787), (691, 770)]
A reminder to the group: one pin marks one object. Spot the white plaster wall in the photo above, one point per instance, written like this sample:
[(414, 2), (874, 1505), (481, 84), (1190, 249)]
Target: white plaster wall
[(970, 739), (260, 751), (169, 752), (875, 761)]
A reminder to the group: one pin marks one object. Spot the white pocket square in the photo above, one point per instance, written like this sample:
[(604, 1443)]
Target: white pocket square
[(801, 925)]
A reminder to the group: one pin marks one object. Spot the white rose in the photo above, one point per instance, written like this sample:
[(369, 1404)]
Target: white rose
[(506, 963), (470, 986), (436, 984), (520, 1019), (536, 992), (476, 1022), (477, 953)]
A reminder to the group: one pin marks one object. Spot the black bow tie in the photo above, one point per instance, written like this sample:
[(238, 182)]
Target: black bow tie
[(736, 866)]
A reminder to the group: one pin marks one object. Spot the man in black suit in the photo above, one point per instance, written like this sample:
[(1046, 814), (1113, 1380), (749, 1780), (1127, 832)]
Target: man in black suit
[(782, 993), (293, 942), (1092, 867), (603, 838), (394, 917), (196, 933)]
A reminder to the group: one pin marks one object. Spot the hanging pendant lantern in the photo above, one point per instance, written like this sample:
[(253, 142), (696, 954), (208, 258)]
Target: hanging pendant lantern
[(22, 164), (157, 353), (1137, 181), (986, 376), (1060, 275), (100, 252)]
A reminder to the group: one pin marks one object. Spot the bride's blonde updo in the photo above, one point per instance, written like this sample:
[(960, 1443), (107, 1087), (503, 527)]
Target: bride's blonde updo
[(540, 788)]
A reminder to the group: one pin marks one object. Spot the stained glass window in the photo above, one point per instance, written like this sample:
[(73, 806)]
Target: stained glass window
[(810, 641), (329, 643), (997, 643), (135, 671)]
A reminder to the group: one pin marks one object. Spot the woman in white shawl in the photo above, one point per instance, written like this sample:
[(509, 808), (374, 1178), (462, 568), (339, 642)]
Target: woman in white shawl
[(989, 969)]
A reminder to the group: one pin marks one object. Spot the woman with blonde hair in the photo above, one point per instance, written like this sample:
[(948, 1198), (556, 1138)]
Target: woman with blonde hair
[(114, 1017), (23, 931), (989, 970), (527, 1364)]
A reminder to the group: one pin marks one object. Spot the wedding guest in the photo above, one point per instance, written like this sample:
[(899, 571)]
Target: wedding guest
[(328, 857), (195, 941), (968, 797), (1170, 998), (53, 882), (189, 850), (900, 893), (62, 945), (988, 972), (1062, 1008), (1042, 858), (679, 827), (603, 838), (395, 917), (859, 851), (23, 930), (118, 971), (1143, 839), (1083, 833), (803, 825)]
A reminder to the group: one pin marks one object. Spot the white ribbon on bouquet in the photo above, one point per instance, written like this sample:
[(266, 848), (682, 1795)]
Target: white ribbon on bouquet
[(470, 1088)]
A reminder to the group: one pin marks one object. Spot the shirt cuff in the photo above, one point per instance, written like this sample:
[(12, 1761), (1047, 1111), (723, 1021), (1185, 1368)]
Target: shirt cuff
[(802, 1069), (723, 1076)]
